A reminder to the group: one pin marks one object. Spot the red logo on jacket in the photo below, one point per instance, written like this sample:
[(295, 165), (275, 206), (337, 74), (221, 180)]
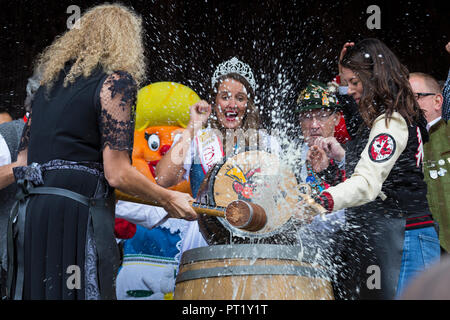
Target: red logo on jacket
[(382, 148)]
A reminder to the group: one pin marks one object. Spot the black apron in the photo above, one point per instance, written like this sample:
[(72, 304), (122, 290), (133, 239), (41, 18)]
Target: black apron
[(101, 216)]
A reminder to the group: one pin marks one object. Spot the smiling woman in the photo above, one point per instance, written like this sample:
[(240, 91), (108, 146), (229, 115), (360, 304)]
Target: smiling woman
[(231, 103), (232, 107), (199, 149)]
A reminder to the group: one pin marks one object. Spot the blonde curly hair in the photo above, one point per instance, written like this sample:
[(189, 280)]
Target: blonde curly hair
[(109, 35)]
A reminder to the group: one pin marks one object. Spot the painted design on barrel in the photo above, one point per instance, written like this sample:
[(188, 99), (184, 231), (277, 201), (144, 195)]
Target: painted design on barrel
[(243, 184)]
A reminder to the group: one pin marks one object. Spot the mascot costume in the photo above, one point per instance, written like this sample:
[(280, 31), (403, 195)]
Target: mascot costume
[(151, 251)]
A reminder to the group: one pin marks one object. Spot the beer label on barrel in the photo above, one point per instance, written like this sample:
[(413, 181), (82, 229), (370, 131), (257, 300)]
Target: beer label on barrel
[(210, 149)]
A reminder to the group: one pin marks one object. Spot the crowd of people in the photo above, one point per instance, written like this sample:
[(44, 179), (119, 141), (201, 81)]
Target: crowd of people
[(384, 186)]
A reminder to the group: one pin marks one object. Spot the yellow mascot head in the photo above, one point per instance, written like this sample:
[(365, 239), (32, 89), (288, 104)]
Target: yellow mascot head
[(162, 112)]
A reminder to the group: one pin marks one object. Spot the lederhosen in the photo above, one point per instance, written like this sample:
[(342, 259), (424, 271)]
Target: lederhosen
[(101, 219)]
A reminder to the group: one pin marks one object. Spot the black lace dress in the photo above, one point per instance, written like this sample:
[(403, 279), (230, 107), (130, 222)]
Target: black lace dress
[(69, 128)]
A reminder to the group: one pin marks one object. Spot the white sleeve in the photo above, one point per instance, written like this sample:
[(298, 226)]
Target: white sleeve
[(384, 147), (192, 238), (5, 155), (140, 214)]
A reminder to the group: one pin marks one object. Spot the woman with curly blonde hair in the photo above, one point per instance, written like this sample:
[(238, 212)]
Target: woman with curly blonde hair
[(77, 145), (107, 35)]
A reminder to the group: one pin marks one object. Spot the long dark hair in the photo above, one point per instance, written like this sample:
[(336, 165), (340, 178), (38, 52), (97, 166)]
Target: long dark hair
[(385, 82)]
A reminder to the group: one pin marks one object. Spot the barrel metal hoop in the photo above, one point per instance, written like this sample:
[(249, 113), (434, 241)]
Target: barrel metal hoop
[(249, 251), (284, 270)]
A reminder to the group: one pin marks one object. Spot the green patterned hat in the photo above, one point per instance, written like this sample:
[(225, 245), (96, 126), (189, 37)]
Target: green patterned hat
[(317, 96)]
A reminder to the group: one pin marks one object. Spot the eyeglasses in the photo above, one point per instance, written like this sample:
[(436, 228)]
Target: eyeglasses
[(418, 95), (320, 116)]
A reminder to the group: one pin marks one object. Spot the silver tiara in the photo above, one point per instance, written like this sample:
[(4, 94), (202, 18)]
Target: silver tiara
[(234, 65)]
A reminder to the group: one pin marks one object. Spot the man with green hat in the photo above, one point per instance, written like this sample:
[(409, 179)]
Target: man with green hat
[(319, 113)]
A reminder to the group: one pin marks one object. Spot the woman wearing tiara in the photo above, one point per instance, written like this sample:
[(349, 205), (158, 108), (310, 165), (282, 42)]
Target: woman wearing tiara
[(232, 108)]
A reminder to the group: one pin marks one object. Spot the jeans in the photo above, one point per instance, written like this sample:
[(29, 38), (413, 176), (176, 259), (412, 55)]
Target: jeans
[(421, 249)]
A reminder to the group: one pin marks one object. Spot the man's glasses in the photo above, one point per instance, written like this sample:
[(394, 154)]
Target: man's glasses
[(320, 116), (418, 95)]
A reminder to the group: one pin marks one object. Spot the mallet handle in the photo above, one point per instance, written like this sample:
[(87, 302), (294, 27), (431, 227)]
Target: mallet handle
[(209, 210), (198, 207)]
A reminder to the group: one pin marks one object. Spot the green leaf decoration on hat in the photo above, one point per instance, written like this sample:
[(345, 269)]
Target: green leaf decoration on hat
[(316, 96)]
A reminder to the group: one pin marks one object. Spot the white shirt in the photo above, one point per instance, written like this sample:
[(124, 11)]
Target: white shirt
[(5, 155), (432, 123), (270, 143)]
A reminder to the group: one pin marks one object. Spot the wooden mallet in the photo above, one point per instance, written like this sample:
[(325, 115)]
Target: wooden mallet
[(241, 214)]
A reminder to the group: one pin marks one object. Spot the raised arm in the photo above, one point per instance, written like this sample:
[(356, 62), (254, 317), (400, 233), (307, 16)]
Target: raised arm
[(341, 55), (170, 168), (116, 122), (386, 144)]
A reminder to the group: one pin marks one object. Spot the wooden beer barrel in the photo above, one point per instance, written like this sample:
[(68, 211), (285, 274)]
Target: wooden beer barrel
[(255, 176), (252, 272)]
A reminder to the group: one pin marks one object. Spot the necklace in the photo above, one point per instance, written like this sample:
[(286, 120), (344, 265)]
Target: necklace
[(317, 183)]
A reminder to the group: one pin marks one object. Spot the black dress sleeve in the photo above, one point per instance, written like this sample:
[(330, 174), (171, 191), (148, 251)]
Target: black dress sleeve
[(117, 112)]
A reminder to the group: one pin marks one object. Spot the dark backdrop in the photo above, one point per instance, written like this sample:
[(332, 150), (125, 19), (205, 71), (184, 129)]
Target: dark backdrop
[(287, 43)]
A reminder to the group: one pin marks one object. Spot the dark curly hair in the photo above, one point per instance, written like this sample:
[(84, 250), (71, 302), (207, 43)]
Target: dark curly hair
[(385, 82)]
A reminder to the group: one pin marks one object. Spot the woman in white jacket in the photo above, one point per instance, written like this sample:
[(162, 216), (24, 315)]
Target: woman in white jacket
[(386, 193)]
